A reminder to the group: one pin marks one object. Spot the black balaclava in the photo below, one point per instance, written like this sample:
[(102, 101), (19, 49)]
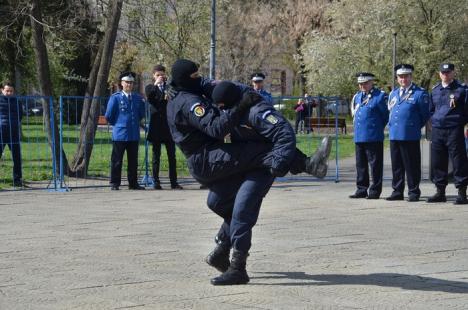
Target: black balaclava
[(227, 93), (180, 74)]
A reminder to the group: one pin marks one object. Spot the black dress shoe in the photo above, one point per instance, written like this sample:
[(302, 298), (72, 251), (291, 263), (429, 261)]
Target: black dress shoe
[(413, 198), (114, 188), (373, 196), (157, 186), (176, 186), (136, 187), (394, 197), (358, 195), (18, 183), (437, 197)]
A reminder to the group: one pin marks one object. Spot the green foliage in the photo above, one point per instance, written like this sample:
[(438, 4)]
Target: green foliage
[(360, 39)]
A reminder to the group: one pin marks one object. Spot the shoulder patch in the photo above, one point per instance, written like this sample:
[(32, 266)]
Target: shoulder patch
[(270, 117), (197, 109)]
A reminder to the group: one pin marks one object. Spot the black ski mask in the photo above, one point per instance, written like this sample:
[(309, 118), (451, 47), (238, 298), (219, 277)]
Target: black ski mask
[(227, 93), (181, 71)]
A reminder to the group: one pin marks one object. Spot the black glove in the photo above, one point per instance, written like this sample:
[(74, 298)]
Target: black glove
[(248, 100), (280, 170)]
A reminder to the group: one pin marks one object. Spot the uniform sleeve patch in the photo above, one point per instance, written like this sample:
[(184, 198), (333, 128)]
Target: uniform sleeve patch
[(197, 109), (270, 117)]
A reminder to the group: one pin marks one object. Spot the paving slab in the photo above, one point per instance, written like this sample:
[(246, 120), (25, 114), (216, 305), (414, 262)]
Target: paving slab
[(313, 248)]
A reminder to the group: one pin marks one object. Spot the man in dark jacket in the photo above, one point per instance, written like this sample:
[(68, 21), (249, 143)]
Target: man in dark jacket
[(199, 128), (11, 113), (158, 132)]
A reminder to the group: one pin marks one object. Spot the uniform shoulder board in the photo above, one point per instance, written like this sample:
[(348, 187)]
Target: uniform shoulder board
[(436, 85)]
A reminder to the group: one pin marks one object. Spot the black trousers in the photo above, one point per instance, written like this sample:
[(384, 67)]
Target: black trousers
[(237, 200), (406, 158), (369, 154), (10, 137), (448, 142), (171, 156), (118, 149)]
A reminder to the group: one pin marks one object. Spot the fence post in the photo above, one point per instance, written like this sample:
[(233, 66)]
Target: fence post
[(337, 176), (63, 186), (54, 158)]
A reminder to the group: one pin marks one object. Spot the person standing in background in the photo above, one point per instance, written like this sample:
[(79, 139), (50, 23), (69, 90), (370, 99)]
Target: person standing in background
[(125, 110), (158, 132), (11, 113)]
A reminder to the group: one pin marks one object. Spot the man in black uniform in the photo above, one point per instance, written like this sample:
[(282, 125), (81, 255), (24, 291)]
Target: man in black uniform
[(158, 132), (199, 129), (11, 112), (449, 109)]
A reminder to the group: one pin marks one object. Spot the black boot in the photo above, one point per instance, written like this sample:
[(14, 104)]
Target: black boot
[(236, 273), (461, 198), (317, 164), (439, 196), (219, 257)]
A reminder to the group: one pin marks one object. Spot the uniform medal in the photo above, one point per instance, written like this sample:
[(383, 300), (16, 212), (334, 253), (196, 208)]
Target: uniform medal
[(367, 99), (392, 103), (452, 101)]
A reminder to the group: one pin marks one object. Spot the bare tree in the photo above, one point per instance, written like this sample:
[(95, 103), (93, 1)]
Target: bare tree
[(45, 82), (96, 88)]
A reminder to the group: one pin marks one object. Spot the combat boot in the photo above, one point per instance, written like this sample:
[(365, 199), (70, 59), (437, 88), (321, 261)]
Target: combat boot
[(461, 198), (236, 273), (317, 164), (438, 197), (219, 257)]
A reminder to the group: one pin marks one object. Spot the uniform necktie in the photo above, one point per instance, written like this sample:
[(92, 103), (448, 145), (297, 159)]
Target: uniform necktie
[(402, 91)]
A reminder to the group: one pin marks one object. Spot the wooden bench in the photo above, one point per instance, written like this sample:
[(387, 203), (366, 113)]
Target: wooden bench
[(102, 120), (326, 123)]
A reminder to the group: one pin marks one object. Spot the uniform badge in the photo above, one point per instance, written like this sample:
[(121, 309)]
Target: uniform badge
[(198, 109), (452, 101), (272, 119), (392, 103)]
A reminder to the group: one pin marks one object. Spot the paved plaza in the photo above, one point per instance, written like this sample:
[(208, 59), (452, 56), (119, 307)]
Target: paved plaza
[(313, 248)]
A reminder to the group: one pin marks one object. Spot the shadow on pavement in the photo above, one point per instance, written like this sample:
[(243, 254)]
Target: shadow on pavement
[(404, 281)]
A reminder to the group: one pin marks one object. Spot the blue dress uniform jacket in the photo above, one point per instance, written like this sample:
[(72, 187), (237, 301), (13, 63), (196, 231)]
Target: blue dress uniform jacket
[(266, 95), (408, 114), (445, 114), (371, 116), (125, 116)]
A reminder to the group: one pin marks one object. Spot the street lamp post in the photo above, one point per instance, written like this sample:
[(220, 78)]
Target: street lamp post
[(394, 59), (213, 41)]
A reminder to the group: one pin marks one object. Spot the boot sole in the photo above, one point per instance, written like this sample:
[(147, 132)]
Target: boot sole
[(225, 283)]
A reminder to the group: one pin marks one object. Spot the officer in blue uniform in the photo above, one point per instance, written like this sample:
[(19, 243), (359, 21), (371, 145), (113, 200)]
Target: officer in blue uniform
[(258, 84), (125, 110), (199, 129), (449, 109), (11, 112), (369, 106), (409, 112)]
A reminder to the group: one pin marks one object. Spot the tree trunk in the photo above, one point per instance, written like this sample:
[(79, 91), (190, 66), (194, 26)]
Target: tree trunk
[(97, 85), (45, 82)]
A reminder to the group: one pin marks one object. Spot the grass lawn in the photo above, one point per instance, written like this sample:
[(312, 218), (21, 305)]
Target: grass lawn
[(37, 159)]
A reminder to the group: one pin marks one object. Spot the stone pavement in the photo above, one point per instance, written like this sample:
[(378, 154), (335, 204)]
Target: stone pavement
[(313, 248)]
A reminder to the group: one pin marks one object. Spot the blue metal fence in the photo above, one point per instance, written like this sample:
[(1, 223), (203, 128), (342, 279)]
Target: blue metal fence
[(40, 163)]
